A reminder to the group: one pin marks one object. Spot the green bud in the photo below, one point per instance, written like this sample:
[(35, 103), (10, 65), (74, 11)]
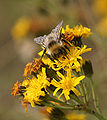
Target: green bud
[(87, 68), (57, 114)]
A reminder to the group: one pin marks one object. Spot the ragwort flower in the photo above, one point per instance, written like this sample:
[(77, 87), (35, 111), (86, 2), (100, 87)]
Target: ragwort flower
[(32, 67), (16, 88), (34, 88), (66, 83), (73, 58), (60, 73), (21, 28), (78, 31), (71, 61)]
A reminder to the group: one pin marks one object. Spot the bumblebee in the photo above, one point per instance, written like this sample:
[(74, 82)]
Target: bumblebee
[(52, 42)]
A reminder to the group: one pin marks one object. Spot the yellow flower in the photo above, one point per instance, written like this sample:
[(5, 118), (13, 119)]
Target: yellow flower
[(45, 59), (78, 31), (21, 28), (73, 59), (66, 83), (27, 69), (34, 88), (75, 116), (32, 67), (68, 35), (26, 82), (100, 7)]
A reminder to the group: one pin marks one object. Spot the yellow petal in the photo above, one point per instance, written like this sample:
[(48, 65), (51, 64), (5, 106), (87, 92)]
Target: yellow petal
[(56, 90), (40, 53), (60, 75), (78, 79), (76, 91), (63, 31), (66, 93)]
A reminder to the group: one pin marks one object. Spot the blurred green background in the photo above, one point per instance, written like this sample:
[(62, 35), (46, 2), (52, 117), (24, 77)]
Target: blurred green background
[(22, 20)]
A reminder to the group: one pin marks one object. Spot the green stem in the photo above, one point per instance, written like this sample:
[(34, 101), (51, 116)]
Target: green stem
[(99, 116), (88, 110), (95, 113), (75, 98), (59, 101), (86, 92), (60, 107), (50, 104), (93, 93), (83, 89), (80, 108)]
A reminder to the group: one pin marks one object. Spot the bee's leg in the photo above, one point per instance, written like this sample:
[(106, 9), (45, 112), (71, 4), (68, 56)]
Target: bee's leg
[(50, 57), (67, 48), (43, 53), (67, 43), (61, 34), (64, 51)]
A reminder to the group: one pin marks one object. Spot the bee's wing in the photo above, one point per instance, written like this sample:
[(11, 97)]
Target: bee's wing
[(40, 40), (58, 29)]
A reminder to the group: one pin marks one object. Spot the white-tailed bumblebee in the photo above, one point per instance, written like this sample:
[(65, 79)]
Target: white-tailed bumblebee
[(52, 42)]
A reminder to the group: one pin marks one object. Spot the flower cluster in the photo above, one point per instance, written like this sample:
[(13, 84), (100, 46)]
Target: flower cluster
[(50, 79), (32, 67), (21, 28), (75, 116), (54, 114), (34, 87)]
